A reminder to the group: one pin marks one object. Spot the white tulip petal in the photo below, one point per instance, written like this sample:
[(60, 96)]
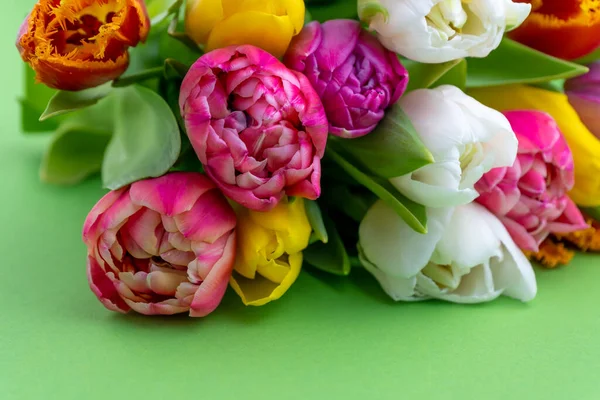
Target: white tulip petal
[(395, 248)]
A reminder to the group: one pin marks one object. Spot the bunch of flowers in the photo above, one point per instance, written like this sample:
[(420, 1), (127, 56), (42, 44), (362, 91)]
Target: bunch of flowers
[(442, 145)]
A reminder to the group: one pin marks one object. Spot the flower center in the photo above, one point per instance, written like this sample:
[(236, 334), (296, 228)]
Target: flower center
[(448, 17), (442, 275)]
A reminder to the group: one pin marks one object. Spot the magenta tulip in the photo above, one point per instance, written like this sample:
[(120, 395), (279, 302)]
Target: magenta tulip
[(355, 76), (258, 128), (530, 197), (161, 246), (584, 96)]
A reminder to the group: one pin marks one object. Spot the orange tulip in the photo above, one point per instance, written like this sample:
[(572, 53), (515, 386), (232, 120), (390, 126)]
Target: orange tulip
[(567, 29), (79, 44)]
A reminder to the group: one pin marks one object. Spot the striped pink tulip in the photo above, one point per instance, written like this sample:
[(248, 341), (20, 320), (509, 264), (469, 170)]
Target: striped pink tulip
[(161, 246), (530, 197), (258, 128)]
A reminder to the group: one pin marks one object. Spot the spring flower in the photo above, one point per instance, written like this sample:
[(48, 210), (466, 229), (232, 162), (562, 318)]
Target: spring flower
[(465, 138), (567, 29), (355, 76), (466, 257), (79, 44), (530, 197), (268, 24), (584, 96), (584, 146), (161, 246), (258, 128), (436, 31), (269, 251)]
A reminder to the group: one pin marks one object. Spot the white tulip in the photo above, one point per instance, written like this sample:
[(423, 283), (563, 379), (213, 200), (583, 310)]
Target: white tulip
[(436, 31), (466, 139), (466, 257)]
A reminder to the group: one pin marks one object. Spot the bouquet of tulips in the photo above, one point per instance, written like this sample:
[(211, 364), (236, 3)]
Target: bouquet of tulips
[(442, 145)]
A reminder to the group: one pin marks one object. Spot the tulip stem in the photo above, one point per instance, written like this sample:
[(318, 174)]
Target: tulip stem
[(139, 77)]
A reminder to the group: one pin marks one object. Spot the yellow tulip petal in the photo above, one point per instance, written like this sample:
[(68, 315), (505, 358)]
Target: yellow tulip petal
[(296, 10), (584, 145), (201, 16), (274, 270), (260, 291), (252, 242), (269, 32)]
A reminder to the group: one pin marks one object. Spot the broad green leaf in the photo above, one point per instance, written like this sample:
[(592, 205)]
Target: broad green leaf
[(412, 213), (593, 212), (77, 148), (33, 104), (64, 102), (392, 149), (146, 141), (455, 76), (590, 58), (138, 77), (354, 205), (330, 257), (315, 217), (341, 9), (513, 63), (158, 9), (423, 76)]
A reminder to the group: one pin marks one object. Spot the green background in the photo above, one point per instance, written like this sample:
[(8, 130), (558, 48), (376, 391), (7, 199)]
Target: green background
[(327, 338)]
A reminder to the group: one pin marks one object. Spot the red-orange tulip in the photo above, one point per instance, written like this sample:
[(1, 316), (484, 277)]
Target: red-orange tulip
[(567, 29), (79, 44)]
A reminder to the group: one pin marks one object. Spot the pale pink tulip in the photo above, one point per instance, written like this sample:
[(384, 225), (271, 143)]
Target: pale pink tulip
[(530, 197), (258, 128), (161, 246)]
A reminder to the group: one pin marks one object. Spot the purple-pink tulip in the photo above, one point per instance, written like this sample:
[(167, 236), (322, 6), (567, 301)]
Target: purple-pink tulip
[(355, 76), (584, 96), (161, 246), (258, 128), (530, 197)]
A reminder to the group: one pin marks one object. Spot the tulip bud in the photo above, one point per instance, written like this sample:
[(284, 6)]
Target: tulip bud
[(76, 45), (530, 197), (584, 96), (161, 246), (355, 76), (567, 29), (269, 251), (268, 24)]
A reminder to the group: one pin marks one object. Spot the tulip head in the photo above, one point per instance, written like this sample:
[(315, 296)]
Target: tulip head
[(161, 246), (567, 29), (436, 31), (79, 44), (466, 140), (355, 76), (584, 146), (584, 96), (467, 256), (269, 251), (268, 24), (258, 128), (530, 197)]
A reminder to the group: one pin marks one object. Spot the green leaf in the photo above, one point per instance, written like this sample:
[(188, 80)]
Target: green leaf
[(64, 102), (412, 213), (138, 77), (513, 63), (590, 58), (354, 205), (392, 149), (315, 217), (330, 257), (593, 212), (342, 9), (423, 76), (146, 141), (34, 103), (455, 76), (159, 9), (77, 147)]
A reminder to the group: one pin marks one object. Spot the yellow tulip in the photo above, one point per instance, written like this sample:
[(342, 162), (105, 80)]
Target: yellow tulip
[(584, 145), (269, 251), (268, 24)]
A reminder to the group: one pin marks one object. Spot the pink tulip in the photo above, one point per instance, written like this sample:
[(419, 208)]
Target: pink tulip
[(356, 77), (584, 96), (161, 246), (530, 197), (258, 128)]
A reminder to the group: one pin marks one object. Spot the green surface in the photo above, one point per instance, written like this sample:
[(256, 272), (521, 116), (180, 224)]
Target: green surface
[(326, 339)]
